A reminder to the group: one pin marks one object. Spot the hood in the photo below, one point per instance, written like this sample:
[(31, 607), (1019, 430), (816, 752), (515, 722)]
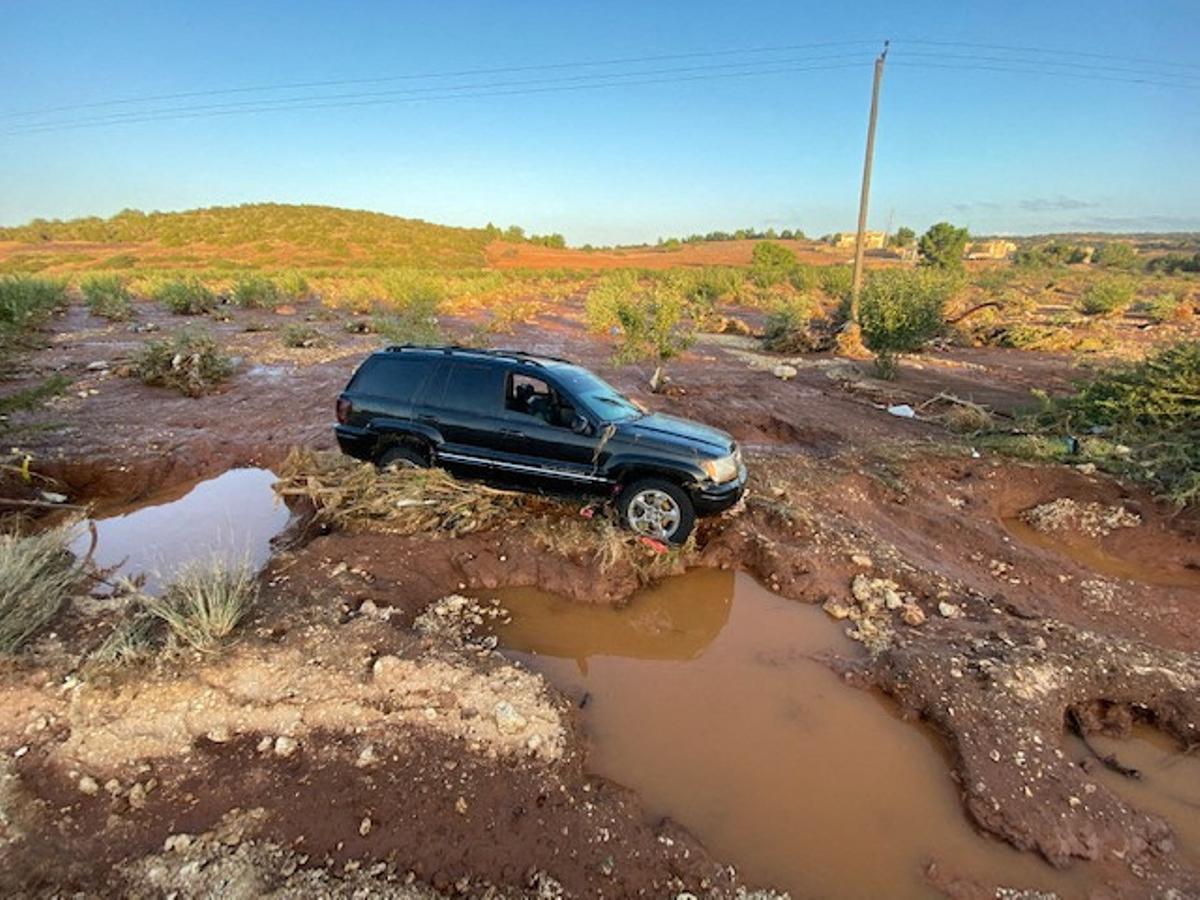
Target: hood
[(662, 429)]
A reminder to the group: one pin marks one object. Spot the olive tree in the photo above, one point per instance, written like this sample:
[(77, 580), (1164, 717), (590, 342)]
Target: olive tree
[(901, 310), (942, 246)]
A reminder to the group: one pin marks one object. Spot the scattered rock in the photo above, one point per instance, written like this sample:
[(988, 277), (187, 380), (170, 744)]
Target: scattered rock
[(912, 615), (785, 372), (949, 610), (836, 608), (508, 720), (285, 746), (89, 786), (364, 827)]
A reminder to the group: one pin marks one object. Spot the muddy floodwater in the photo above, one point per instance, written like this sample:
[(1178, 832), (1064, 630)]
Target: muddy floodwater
[(231, 518), (706, 696)]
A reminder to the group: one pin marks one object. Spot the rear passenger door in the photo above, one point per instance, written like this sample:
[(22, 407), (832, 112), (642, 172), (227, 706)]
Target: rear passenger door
[(466, 411)]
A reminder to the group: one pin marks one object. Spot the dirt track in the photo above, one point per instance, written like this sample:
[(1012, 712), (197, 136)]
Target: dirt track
[(841, 489)]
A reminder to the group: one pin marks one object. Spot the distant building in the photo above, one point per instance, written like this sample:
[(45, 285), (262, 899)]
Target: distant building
[(872, 240), (998, 249)]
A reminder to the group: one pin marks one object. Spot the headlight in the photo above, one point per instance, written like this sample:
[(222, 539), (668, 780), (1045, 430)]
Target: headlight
[(723, 469)]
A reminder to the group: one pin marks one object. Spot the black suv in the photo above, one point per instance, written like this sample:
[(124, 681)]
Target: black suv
[(543, 424)]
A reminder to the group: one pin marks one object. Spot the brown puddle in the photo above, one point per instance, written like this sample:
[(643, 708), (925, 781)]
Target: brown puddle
[(1090, 555), (231, 517), (1169, 785), (704, 696)]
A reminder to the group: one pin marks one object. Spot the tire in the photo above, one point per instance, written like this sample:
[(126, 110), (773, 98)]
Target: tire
[(402, 456), (656, 508)]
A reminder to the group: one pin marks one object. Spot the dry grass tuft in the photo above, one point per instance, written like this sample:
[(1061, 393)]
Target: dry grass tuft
[(608, 546), (354, 495), (37, 574), (205, 602)]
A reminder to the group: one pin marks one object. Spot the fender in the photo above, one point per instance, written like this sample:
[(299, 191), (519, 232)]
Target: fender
[(623, 466), (394, 428)]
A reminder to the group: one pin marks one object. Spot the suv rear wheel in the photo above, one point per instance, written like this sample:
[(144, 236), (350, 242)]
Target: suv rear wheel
[(656, 508), (402, 456)]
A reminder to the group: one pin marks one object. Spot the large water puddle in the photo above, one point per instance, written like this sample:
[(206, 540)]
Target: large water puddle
[(1089, 554), (1168, 783), (231, 518), (705, 696)]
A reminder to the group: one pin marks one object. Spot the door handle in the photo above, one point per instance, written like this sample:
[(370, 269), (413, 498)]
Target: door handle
[(432, 420), (512, 432)]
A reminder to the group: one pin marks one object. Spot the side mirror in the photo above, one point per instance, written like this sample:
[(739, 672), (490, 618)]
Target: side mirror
[(580, 425)]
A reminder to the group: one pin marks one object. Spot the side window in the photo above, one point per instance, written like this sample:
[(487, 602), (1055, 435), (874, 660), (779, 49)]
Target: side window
[(398, 379), (473, 387), (534, 397)]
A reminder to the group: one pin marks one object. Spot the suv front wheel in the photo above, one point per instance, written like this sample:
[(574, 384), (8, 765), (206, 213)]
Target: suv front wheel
[(657, 509)]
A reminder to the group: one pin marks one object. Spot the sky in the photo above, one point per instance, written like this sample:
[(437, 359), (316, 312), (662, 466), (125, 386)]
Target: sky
[(960, 137)]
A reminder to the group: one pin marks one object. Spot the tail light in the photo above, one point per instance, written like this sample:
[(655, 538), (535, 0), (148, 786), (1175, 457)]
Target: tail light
[(344, 409)]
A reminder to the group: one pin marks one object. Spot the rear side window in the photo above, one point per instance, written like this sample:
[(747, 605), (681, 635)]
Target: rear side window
[(474, 387), (397, 378)]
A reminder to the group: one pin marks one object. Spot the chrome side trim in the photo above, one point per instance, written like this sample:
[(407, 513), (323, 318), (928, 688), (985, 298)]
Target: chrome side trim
[(520, 467)]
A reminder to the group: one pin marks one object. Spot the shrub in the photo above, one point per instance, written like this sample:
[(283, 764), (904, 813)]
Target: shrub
[(205, 603), (904, 237), (293, 285), (1115, 255), (26, 301), (1052, 253), (1107, 297), (410, 289), (942, 246), (770, 263), (1150, 407), (37, 574), (189, 361), (406, 326), (185, 296), (786, 329), (300, 335), (256, 292), (605, 298), (836, 281), (1167, 307), (900, 310), (108, 296)]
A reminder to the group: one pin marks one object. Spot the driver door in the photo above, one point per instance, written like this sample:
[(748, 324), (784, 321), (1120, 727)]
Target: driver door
[(538, 434)]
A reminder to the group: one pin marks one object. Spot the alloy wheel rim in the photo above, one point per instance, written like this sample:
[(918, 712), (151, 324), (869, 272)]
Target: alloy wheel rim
[(654, 513)]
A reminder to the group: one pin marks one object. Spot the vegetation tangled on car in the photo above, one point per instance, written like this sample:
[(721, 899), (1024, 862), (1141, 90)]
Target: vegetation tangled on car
[(189, 361)]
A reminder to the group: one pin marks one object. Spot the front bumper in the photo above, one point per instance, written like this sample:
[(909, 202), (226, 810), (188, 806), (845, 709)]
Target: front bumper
[(709, 498)]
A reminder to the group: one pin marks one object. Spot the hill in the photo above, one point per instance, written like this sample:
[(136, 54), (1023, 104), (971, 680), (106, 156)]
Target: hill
[(261, 234)]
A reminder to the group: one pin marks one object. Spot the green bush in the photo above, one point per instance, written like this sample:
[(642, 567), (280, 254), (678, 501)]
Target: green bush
[(900, 310), (1107, 297), (189, 361), (904, 237), (185, 296), (407, 326), (787, 326), (300, 335), (604, 300), (293, 285), (409, 289), (1167, 306), (1152, 408), (943, 245), (770, 263), (256, 292), (107, 296), (1051, 253), (1115, 255), (26, 302), (37, 575), (836, 281)]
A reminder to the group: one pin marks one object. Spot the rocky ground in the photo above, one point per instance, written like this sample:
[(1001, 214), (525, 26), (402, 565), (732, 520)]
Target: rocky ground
[(361, 736)]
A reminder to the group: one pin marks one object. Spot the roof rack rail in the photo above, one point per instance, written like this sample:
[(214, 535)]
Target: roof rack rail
[(519, 355)]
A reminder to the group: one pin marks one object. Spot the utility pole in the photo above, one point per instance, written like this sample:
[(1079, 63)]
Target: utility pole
[(856, 285)]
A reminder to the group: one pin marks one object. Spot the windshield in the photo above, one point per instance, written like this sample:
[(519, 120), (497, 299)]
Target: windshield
[(596, 396)]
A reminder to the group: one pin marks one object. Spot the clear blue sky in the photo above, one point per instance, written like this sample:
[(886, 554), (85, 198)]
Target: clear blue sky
[(994, 150)]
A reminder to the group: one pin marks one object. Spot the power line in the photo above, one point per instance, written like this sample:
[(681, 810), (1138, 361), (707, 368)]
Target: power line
[(502, 70), (1034, 71), (1051, 50), (167, 115), (1049, 62), (287, 102)]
